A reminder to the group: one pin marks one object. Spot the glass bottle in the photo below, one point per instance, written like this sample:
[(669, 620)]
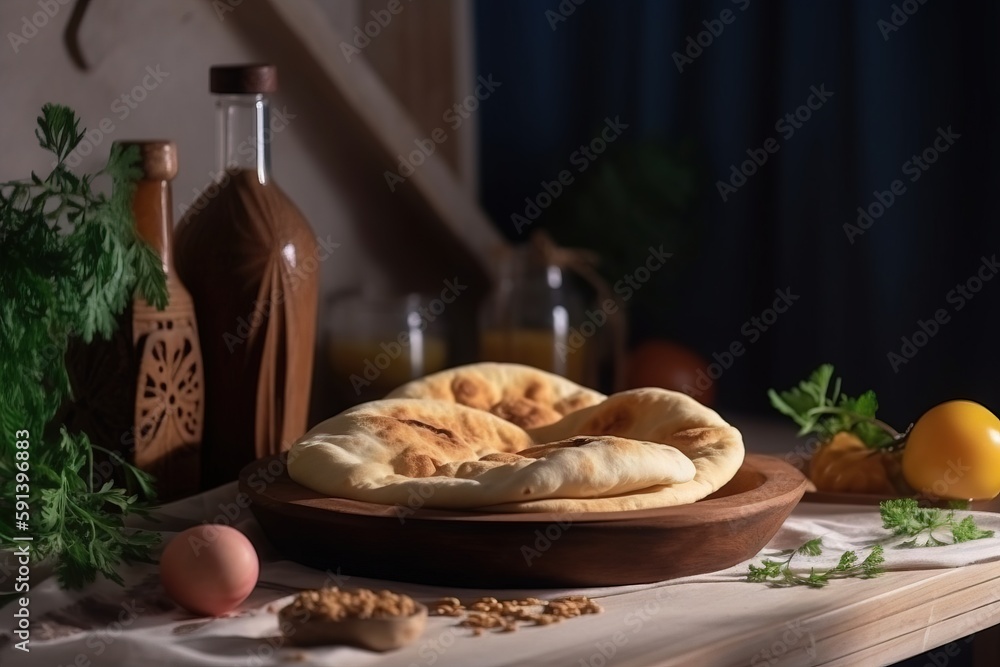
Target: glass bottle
[(251, 262)]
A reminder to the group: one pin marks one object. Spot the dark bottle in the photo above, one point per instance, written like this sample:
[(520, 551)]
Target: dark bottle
[(248, 257)]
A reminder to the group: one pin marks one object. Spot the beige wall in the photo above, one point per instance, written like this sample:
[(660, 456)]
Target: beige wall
[(344, 131), (180, 38)]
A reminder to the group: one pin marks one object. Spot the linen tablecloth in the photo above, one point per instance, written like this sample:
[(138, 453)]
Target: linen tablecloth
[(136, 626)]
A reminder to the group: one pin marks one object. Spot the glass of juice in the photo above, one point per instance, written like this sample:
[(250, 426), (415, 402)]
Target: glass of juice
[(374, 343), (534, 317)]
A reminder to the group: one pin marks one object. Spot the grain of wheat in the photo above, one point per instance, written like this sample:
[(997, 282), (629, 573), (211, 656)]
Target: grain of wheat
[(489, 613)]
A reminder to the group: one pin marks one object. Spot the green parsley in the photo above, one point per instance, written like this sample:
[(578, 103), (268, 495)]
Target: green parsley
[(925, 524), (818, 406), (72, 261), (779, 573), (902, 516)]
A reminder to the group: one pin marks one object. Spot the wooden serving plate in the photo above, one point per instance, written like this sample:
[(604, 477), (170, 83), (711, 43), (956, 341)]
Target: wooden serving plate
[(543, 550)]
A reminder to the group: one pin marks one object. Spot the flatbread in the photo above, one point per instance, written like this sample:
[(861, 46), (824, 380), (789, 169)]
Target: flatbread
[(637, 449), (437, 454), (520, 394), (655, 415)]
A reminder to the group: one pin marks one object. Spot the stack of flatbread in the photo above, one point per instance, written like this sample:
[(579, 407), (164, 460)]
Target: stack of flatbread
[(510, 438)]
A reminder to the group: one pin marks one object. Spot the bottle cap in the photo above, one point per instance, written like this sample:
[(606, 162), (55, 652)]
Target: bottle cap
[(157, 158), (243, 79)]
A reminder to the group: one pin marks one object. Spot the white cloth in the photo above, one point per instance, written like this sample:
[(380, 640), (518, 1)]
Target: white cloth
[(146, 636)]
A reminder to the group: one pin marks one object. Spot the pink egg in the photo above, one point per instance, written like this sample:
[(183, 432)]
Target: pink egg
[(209, 569)]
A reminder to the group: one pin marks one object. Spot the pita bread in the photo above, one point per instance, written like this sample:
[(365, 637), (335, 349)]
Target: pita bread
[(449, 456), (654, 415), (634, 450), (520, 394)]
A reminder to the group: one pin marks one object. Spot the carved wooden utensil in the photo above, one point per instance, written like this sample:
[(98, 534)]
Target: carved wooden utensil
[(141, 394), (169, 384)]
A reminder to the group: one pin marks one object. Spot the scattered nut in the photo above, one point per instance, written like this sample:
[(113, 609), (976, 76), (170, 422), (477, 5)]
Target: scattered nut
[(488, 613)]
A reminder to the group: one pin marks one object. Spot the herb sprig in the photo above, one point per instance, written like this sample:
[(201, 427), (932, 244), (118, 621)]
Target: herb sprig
[(904, 517), (818, 406), (781, 574), (924, 524), (72, 261)]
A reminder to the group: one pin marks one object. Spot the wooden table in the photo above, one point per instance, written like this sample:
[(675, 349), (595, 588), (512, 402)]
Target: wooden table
[(705, 624), (897, 616), (717, 621), (851, 622)]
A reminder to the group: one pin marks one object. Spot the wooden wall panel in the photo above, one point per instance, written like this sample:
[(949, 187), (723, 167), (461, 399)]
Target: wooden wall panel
[(425, 56)]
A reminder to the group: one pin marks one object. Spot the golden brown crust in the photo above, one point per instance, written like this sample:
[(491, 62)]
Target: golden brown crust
[(519, 394), (636, 449)]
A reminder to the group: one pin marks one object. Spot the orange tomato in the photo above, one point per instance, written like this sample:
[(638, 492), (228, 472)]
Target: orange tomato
[(846, 465), (953, 452)]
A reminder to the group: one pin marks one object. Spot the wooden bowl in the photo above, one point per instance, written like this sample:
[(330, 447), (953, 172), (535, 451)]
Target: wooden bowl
[(483, 550), (375, 634)]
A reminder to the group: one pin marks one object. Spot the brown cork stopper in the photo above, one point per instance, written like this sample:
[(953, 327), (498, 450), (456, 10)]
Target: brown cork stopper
[(243, 79), (157, 158)]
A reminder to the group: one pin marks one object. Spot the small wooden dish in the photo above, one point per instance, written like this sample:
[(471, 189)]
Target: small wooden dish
[(490, 550), (375, 634)]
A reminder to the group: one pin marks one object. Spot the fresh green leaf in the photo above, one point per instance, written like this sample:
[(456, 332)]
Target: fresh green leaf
[(72, 261), (812, 547), (847, 560), (966, 530), (818, 407), (769, 569), (781, 574), (904, 517), (871, 566)]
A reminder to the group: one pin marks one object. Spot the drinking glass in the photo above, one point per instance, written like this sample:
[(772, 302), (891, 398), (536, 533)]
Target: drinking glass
[(375, 343)]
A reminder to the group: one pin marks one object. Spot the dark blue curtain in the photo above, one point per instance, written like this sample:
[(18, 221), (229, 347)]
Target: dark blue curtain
[(896, 86)]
